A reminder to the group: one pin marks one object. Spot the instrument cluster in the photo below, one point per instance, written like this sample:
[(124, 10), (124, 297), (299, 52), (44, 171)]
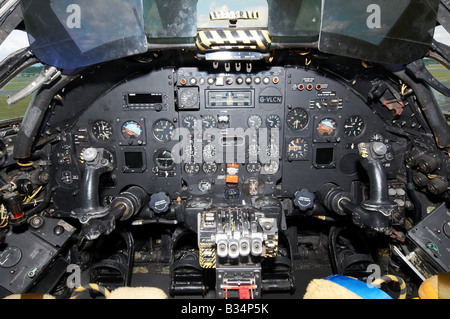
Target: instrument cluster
[(228, 136)]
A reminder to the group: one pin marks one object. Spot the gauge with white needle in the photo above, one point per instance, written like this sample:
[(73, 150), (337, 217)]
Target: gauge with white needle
[(354, 126), (297, 149), (102, 130), (10, 257), (273, 121), (297, 119), (254, 122), (163, 130)]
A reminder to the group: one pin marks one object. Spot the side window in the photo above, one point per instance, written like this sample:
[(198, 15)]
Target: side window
[(440, 72), (15, 41), (443, 76), (15, 85)]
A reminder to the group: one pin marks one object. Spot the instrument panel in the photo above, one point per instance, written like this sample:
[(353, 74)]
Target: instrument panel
[(230, 137)]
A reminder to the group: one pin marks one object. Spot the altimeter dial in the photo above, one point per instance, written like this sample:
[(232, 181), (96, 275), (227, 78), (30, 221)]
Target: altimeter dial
[(297, 119)]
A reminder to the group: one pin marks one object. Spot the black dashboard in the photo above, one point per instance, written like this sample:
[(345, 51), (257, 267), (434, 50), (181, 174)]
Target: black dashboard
[(230, 137), (226, 167), (238, 156)]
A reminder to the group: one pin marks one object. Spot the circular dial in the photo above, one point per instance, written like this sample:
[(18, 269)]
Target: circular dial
[(101, 130), (190, 122), (188, 98), (209, 168), (253, 150), (132, 130), (273, 121), (10, 256), (376, 137), (254, 186), (204, 186), (272, 150), (271, 167), (297, 149), (253, 167), (354, 126), (231, 193), (190, 151), (164, 160), (191, 168), (208, 121), (327, 127), (209, 151), (254, 121), (163, 130), (297, 119)]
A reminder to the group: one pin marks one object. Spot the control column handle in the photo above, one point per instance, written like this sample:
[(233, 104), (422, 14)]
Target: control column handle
[(96, 161), (372, 158)]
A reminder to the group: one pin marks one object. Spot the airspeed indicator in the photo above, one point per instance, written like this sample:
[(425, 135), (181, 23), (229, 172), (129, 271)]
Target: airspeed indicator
[(354, 126)]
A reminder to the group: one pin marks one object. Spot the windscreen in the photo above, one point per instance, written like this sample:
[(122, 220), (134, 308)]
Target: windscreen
[(73, 33), (170, 18), (295, 20), (393, 32)]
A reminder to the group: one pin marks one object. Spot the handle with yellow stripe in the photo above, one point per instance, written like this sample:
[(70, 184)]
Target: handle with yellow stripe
[(105, 292), (391, 278), (233, 39)]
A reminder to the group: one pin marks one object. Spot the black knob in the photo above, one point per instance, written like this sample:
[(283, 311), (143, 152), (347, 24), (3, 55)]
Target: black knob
[(304, 199), (159, 202), (428, 164), (420, 179), (437, 185)]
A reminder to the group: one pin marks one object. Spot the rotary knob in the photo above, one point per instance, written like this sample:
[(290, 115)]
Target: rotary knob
[(159, 203), (304, 199)]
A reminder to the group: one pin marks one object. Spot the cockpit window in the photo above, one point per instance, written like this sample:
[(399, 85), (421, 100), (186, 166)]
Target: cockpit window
[(75, 33), (16, 41), (69, 34), (18, 83), (296, 20), (392, 32), (442, 75), (170, 19), (249, 14)]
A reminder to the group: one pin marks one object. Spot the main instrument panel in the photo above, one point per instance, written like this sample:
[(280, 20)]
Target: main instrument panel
[(228, 136)]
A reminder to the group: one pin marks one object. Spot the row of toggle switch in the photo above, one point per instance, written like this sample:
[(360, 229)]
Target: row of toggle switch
[(221, 81)]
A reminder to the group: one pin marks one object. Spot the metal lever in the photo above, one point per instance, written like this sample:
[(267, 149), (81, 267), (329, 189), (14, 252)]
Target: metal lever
[(47, 75)]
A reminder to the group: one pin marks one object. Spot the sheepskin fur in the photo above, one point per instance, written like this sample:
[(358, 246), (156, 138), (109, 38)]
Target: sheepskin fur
[(137, 293), (29, 296), (325, 289)]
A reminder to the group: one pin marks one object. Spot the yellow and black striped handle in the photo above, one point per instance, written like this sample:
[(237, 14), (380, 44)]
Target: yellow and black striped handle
[(233, 39), (391, 278), (105, 292)]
